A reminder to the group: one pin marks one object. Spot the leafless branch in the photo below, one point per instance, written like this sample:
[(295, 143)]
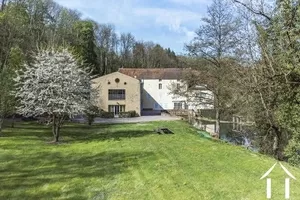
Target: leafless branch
[(252, 10)]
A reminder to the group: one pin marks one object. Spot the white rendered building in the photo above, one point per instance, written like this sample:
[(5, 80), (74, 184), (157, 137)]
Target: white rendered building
[(156, 90)]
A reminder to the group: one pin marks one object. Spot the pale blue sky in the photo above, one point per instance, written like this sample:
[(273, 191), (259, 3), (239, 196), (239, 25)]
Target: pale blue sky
[(170, 23)]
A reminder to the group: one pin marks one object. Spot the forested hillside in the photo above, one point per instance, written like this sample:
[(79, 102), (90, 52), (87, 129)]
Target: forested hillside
[(26, 25)]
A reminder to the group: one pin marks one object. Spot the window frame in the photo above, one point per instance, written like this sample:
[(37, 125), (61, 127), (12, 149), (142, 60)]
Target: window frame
[(177, 106), (116, 94)]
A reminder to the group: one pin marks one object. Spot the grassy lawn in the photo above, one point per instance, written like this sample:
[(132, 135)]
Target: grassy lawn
[(131, 162)]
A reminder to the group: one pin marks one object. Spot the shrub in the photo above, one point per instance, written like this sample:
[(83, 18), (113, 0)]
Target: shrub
[(128, 114), (105, 114), (91, 113), (292, 152)]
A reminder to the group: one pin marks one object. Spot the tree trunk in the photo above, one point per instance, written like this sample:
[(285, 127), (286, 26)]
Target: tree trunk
[(217, 128), (217, 108), (57, 133), (3, 5), (13, 122), (278, 145), (1, 122), (55, 129), (57, 121)]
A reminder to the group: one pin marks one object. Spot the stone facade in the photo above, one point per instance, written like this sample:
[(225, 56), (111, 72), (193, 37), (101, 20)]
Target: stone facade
[(118, 93)]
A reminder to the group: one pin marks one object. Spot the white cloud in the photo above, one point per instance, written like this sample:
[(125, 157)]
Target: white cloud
[(189, 35), (130, 15), (171, 18), (174, 20)]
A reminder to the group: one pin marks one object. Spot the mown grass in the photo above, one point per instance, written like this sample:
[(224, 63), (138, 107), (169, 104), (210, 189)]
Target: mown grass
[(130, 161)]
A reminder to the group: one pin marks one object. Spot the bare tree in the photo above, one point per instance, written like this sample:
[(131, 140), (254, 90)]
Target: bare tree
[(216, 41), (108, 47), (127, 42), (273, 81)]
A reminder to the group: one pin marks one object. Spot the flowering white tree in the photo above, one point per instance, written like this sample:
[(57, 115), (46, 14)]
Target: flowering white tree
[(54, 86)]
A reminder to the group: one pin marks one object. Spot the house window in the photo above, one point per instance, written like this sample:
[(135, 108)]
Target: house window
[(177, 106), (122, 108), (116, 94), (160, 86)]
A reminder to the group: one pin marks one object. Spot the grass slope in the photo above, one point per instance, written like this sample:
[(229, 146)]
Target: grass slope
[(131, 162)]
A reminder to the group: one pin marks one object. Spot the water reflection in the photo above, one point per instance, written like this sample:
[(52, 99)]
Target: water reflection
[(242, 134)]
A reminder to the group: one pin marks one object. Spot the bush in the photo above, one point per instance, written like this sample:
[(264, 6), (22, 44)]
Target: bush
[(105, 114), (128, 114), (292, 152), (91, 113), (125, 115)]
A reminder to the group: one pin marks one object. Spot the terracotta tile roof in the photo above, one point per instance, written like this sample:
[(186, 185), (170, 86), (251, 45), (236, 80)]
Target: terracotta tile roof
[(153, 73)]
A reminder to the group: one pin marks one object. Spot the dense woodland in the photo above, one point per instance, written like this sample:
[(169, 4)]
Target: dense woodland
[(27, 25), (246, 52)]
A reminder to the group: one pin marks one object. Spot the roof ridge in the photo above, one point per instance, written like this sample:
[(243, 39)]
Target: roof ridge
[(153, 73)]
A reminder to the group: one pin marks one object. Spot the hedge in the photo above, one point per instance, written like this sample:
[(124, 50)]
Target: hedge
[(128, 114), (107, 114)]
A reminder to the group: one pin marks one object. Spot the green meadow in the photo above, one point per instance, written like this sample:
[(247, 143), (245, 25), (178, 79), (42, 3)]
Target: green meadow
[(131, 161)]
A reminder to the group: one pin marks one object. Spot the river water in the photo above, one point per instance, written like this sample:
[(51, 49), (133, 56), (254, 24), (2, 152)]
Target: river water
[(236, 134)]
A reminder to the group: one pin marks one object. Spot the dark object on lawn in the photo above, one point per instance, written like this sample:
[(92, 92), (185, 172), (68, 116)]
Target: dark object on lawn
[(163, 131)]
